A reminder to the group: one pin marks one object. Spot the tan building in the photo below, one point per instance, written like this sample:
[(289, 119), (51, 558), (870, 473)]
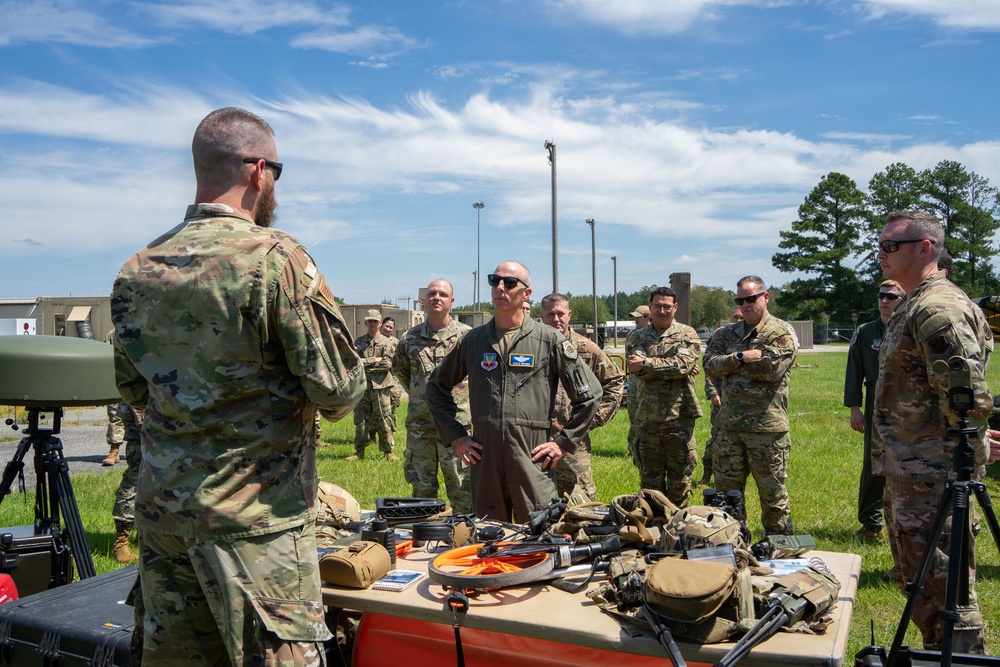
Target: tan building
[(74, 316)]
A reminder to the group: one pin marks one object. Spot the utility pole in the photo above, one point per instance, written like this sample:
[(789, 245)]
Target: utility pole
[(614, 263), (593, 270), (551, 148), (475, 288)]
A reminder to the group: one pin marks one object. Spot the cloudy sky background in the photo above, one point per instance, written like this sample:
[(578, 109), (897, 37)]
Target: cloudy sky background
[(690, 130)]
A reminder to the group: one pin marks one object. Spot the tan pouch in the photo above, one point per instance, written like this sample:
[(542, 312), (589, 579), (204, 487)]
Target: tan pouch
[(688, 591), (357, 566)]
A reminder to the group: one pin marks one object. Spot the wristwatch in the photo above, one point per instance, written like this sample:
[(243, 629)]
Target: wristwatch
[(739, 356)]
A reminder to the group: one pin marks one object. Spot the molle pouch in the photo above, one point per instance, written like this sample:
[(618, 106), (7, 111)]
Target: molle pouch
[(356, 566), (688, 591)]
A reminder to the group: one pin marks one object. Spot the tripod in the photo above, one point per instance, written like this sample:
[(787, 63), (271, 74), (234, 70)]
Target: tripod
[(53, 492), (954, 500)]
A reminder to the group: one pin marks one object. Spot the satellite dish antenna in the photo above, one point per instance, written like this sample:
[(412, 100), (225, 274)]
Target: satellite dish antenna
[(45, 374)]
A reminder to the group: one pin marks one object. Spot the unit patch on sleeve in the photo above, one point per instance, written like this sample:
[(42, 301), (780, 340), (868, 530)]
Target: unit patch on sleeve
[(569, 350)]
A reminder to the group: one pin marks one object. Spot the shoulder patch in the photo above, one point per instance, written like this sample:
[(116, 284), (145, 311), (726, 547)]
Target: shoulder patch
[(569, 350)]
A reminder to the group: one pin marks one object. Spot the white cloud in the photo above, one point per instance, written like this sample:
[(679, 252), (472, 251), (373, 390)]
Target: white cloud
[(961, 14), (62, 21), (245, 16), (666, 17)]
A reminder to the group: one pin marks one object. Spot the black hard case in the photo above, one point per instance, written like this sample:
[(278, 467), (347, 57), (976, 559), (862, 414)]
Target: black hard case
[(37, 561), (83, 623)]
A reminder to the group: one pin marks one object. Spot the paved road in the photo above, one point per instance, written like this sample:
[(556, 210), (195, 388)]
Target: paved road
[(83, 438)]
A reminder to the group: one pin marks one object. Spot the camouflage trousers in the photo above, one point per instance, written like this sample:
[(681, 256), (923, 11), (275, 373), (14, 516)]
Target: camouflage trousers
[(706, 458), (574, 476), (424, 454), (630, 404), (666, 457), (910, 512), (373, 415), (246, 601), (764, 455), (116, 430), (124, 508)]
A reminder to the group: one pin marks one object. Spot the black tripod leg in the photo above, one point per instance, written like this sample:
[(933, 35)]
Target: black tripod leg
[(958, 575), (14, 467), (986, 503), (917, 586), (57, 470)]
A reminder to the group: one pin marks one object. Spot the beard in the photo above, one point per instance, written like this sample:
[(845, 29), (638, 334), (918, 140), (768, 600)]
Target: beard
[(264, 214)]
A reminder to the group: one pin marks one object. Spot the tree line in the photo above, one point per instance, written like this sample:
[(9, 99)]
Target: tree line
[(834, 241)]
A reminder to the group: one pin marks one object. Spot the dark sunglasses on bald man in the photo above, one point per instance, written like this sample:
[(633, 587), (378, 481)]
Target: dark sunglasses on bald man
[(509, 282), (749, 299), (890, 246), (277, 166)]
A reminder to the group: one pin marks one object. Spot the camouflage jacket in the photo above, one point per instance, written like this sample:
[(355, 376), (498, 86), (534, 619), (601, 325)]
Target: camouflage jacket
[(419, 352), (376, 354), (229, 337), (667, 389), (756, 393), (934, 322), (611, 378)]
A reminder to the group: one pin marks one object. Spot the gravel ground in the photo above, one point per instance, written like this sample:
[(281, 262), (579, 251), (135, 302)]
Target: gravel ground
[(83, 439)]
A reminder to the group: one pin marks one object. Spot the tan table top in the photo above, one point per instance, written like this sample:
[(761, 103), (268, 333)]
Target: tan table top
[(544, 612)]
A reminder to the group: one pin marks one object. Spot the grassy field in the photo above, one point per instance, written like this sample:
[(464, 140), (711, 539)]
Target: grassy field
[(823, 478)]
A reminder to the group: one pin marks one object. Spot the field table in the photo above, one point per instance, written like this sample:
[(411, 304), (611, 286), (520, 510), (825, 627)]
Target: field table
[(542, 625)]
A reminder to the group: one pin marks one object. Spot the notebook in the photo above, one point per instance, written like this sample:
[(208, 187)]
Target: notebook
[(397, 580)]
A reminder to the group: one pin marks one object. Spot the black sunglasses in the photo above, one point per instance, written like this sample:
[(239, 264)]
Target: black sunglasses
[(749, 299), (889, 296), (277, 166), (509, 282), (890, 246)]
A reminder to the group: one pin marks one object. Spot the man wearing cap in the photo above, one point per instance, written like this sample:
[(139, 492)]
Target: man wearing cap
[(641, 316), (859, 390), (374, 413), (513, 365)]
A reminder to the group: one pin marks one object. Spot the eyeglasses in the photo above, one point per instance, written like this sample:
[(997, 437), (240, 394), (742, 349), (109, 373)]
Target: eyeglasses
[(277, 166), (749, 299), (889, 296), (509, 282), (890, 246)]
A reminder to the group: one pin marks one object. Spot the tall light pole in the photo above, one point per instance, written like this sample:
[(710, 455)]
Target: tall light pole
[(479, 207), (551, 148), (593, 268), (475, 281), (614, 263)]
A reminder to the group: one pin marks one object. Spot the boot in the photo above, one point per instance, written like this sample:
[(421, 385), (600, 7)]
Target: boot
[(122, 550), (112, 457)]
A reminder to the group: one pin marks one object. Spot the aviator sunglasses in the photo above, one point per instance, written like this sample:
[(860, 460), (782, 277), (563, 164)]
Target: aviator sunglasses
[(509, 282), (749, 299)]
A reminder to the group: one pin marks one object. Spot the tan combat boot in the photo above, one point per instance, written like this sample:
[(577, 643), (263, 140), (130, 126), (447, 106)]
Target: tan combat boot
[(122, 550), (112, 457)]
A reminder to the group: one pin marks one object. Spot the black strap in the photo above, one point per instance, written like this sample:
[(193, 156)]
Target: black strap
[(458, 602)]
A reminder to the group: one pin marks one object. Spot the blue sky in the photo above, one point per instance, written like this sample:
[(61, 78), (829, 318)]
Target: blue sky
[(690, 130)]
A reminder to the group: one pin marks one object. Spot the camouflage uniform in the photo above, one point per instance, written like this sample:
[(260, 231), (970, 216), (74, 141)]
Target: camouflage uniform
[(862, 372), (419, 352), (912, 448), (375, 414), (752, 423), (124, 509), (667, 407), (573, 474), (712, 389), (631, 402), (230, 338), (510, 400), (116, 429)]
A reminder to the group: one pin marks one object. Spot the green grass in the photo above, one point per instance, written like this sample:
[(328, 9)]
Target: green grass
[(823, 477)]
